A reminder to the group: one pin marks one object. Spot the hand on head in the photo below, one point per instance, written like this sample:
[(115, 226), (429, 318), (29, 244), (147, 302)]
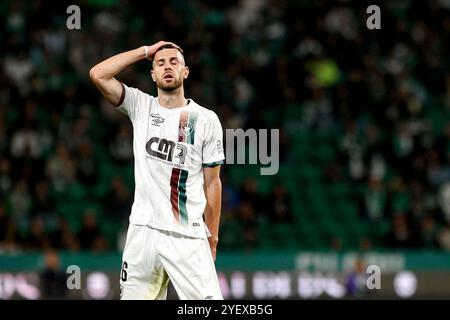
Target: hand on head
[(151, 50)]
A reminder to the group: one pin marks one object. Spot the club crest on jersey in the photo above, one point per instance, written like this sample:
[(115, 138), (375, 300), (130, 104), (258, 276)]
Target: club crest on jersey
[(187, 127)]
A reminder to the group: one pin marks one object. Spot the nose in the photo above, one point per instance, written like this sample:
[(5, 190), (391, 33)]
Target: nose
[(167, 67), (167, 70)]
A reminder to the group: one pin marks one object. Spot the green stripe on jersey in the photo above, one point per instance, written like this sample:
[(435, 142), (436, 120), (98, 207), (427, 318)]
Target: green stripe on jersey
[(212, 164), (182, 197), (192, 122)]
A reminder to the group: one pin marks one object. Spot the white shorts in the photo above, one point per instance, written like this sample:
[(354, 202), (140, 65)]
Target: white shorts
[(151, 257)]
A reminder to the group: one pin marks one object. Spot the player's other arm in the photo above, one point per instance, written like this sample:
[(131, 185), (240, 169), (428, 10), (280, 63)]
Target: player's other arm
[(102, 74), (213, 192)]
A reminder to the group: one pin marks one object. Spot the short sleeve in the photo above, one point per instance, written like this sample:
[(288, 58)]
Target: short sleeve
[(129, 101), (213, 153)]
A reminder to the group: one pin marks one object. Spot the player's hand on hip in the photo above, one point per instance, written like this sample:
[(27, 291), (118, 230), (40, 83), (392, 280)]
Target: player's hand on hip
[(213, 246), (151, 50)]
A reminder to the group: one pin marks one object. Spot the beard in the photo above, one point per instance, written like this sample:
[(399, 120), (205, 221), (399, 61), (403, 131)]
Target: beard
[(171, 86)]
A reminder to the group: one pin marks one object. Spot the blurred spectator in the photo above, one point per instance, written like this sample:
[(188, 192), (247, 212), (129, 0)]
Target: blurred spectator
[(87, 164), (402, 235), (38, 238), (8, 236), (279, 206), (400, 196), (444, 200), (356, 280), (351, 146), (43, 202), (79, 131), (122, 145), (375, 201), (19, 203), (61, 168), (249, 193), (90, 235), (3, 134), (19, 68), (5, 177), (54, 41), (230, 194), (25, 143), (428, 233), (53, 278), (437, 172), (119, 200), (62, 238), (444, 237), (246, 215)]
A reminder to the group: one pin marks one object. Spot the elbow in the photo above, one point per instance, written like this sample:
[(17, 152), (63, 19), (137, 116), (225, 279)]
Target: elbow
[(93, 74)]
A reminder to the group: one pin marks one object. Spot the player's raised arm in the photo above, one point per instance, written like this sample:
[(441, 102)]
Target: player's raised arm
[(103, 73), (213, 193)]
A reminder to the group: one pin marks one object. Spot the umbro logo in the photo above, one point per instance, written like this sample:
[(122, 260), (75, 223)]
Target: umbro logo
[(157, 119)]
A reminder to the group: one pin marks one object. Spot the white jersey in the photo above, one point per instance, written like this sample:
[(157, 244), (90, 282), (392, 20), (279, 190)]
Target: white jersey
[(171, 147)]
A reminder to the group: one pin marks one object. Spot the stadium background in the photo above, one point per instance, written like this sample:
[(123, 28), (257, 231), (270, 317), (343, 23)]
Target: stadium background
[(364, 143)]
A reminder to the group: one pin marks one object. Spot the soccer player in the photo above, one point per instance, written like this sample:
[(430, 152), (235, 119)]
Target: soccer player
[(178, 151)]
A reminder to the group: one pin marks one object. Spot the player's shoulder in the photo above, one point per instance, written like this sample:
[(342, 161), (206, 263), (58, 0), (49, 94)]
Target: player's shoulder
[(207, 113), (136, 91)]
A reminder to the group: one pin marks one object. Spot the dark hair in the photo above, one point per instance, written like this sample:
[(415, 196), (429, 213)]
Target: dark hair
[(169, 46)]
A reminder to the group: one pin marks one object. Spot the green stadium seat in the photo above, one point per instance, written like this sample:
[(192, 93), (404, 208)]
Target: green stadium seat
[(319, 209), (265, 184), (338, 191), (323, 154), (300, 153), (308, 173), (299, 210), (282, 235), (346, 210), (292, 112), (231, 234)]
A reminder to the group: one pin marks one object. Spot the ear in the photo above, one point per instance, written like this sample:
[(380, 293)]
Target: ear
[(186, 72), (152, 73)]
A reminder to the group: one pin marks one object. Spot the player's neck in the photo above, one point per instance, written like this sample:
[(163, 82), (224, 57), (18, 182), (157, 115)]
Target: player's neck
[(172, 99)]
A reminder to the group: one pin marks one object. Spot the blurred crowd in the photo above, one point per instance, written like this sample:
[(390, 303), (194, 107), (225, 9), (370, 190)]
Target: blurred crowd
[(66, 162)]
